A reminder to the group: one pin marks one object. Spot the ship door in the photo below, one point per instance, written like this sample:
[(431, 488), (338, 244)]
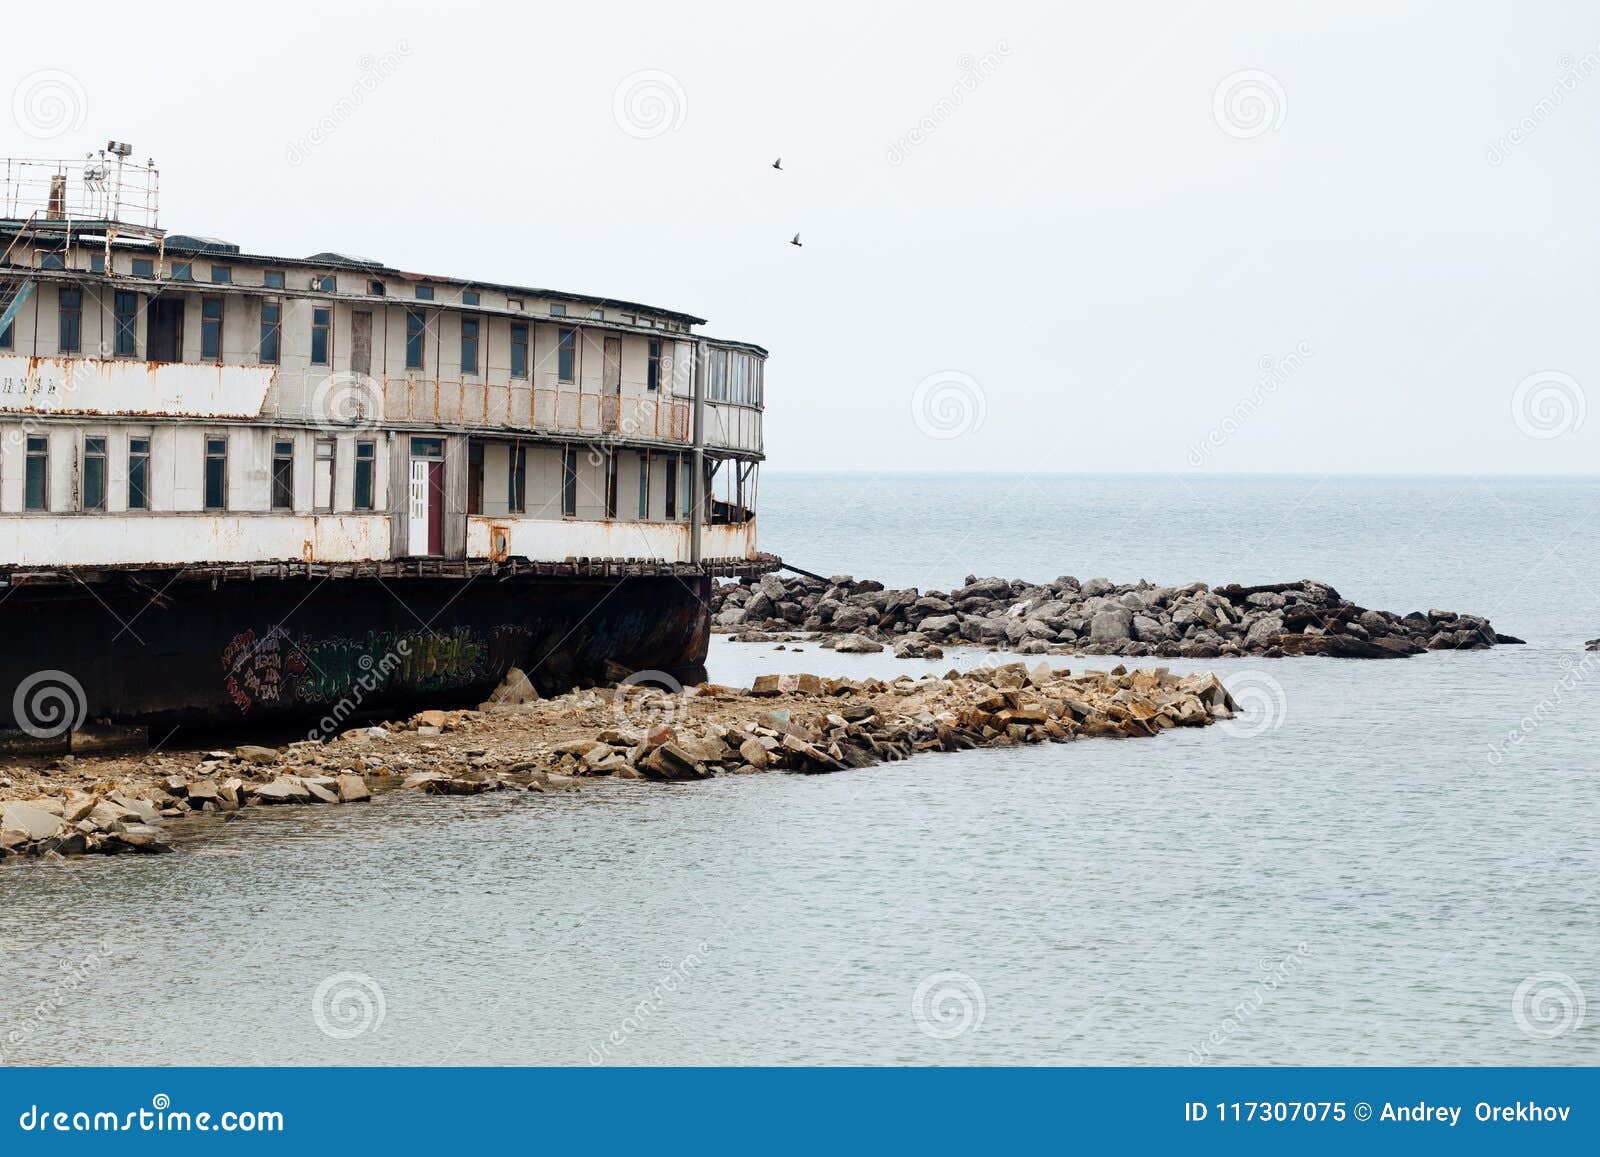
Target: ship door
[(611, 385), (361, 342), (164, 330), (425, 508)]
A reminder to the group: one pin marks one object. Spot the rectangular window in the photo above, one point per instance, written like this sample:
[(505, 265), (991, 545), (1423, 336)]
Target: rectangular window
[(94, 473), (652, 376), (282, 475), (125, 306), (597, 315), (272, 279), (567, 356), (517, 497), (611, 483), (8, 289), (558, 310), (326, 283), (144, 267), (424, 293), (375, 289), (514, 303), (71, 320), (138, 473), (644, 487), (366, 465), (221, 275), (271, 330), (211, 329), (216, 497), (97, 263), (688, 486), (321, 325), (52, 261), (519, 349), (36, 481), (182, 271), (469, 345), (322, 476), (569, 481), (469, 297), (414, 344), (672, 487)]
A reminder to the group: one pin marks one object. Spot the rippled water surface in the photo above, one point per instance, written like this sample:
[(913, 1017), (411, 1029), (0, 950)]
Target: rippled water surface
[(1370, 878)]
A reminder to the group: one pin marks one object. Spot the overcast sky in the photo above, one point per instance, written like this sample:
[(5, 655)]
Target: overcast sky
[(1155, 237)]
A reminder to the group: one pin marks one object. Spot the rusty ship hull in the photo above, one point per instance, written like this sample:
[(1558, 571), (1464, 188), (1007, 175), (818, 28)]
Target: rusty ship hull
[(316, 645)]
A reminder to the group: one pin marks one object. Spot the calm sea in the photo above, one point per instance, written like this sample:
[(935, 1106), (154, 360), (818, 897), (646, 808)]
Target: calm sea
[(1365, 870)]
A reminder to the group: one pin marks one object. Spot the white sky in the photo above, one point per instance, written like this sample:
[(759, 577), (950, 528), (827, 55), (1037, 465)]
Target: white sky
[(1079, 237)]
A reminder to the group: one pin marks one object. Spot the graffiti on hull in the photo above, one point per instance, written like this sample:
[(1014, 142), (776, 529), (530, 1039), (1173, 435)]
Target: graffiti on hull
[(280, 668)]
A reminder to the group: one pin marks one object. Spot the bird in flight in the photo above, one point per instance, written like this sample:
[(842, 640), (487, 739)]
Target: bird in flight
[(796, 240), (778, 164)]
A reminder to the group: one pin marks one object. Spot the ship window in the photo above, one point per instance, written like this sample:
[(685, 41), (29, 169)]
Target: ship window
[(644, 486), (216, 497), (52, 261), (424, 293), (569, 481), (631, 318), (567, 356), (321, 324), (415, 327), (519, 350), (138, 473), (652, 377), (597, 315), (514, 303), (688, 485), (221, 275), (211, 329), (144, 267), (672, 487), (126, 308), (271, 330), (469, 297), (326, 283), (366, 464), (94, 473), (475, 477), (7, 290), (611, 483), (469, 345), (558, 310), (517, 490), (375, 289), (272, 279), (322, 476), (182, 271), (36, 481), (71, 320), (282, 475), (97, 263)]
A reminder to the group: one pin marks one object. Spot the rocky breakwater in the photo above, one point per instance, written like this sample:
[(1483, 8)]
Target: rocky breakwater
[(1094, 617)]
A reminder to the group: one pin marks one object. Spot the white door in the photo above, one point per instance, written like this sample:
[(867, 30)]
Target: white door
[(417, 526)]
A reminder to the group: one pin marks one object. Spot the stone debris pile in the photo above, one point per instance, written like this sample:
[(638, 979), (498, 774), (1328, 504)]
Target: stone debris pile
[(1093, 617)]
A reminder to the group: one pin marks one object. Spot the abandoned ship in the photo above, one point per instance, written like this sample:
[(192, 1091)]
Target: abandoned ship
[(241, 487)]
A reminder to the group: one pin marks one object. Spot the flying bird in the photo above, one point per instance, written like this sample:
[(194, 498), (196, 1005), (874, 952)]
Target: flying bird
[(796, 240), (778, 164)]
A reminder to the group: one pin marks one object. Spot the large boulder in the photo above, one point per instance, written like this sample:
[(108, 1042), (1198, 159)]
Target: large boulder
[(1113, 626), (857, 645), (33, 822)]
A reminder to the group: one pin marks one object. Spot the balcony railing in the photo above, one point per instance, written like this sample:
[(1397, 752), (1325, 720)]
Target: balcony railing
[(101, 188)]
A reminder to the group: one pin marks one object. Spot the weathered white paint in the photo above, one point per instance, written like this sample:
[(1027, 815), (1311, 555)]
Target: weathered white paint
[(91, 386), (417, 512), (544, 540), (176, 539)]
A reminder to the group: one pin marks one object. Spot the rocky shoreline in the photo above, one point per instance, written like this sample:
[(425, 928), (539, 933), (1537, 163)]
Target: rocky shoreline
[(1094, 617), (795, 723)]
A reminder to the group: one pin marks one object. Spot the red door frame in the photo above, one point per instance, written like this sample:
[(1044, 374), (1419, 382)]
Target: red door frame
[(436, 508)]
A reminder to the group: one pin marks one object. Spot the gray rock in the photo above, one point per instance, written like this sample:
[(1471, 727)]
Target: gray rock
[(1111, 626), (857, 645), (33, 822)]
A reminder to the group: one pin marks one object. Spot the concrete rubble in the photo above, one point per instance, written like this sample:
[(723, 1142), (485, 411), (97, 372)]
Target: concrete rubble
[(795, 723), (1093, 617)]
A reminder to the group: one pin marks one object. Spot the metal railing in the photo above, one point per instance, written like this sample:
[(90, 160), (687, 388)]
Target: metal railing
[(100, 187)]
